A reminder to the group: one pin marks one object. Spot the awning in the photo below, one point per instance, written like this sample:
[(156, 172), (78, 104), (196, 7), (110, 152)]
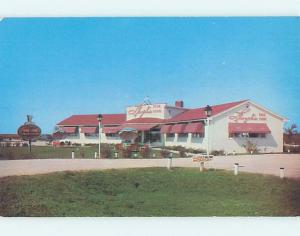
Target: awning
[(89, 130), (139, 127), (178, 128), (193, 128), (111, 130), (68, 130), (260, 128), (165, 129)]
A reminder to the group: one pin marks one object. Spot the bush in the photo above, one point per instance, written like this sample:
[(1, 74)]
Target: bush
[(292, 149), (145, 152), (164, 153), (251, 147), (106, 151), (182, 151), (25, 145), (82, 154), (125, 153), (195, 151), (218, 152)]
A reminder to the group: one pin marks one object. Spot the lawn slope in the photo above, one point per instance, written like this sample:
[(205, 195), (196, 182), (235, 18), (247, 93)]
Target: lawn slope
[(148, 192)]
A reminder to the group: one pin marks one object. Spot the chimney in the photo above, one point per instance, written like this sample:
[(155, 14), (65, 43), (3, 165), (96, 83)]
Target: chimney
[(179, 103)]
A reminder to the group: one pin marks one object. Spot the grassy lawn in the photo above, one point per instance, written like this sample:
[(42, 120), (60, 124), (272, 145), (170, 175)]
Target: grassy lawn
[(44, 152), (148, 192)]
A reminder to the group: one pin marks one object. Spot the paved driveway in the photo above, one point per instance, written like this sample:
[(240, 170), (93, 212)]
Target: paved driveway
[(263, 164)]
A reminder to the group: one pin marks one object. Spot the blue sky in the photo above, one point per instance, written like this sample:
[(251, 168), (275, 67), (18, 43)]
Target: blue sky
[(52, 68)]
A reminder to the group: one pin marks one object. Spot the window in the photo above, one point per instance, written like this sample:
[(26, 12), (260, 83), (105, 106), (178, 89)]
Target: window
[(198, 135), (256, 135), (91, 135), (244, 135), (112, 135), (170, 135), (182, 135), (155, 137)]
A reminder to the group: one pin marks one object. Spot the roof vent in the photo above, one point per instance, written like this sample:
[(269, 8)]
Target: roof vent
[(179, 103)]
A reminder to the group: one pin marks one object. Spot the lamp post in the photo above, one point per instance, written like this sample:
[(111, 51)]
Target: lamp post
[(99, 118), (208, 111)]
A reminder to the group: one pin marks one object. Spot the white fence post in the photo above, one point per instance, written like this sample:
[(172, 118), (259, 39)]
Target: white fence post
[(96, 154), (73, 154), (169, 163), (281, 172), (201, 166), (236, 168)]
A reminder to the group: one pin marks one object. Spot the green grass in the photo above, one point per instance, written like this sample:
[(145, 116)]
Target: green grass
[(148, 192), (44, 152)]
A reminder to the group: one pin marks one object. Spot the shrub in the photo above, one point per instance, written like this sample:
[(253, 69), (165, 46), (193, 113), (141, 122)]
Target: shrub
[(251, 147), (10, 155), (82, 154), (119, 146), (106, 151), (182, 151), (292, 149), (164, 153), (218, 152), (25, 145), (145, 152), (125, 153)]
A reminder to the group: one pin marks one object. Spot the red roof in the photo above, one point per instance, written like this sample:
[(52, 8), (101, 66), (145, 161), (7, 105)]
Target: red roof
[(89, 130), (69, 130), (165, 129), (145, 121), (178, 128), (261, 128), (199, 113), (111, 130), (193, 128), (107, 119)]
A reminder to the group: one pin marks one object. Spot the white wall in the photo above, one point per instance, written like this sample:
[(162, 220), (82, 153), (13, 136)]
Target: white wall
[(189, 142), (220, 140), (83, 139), (219, 135)]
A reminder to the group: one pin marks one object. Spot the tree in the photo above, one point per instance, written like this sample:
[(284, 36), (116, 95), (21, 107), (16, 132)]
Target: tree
[(290, 132)]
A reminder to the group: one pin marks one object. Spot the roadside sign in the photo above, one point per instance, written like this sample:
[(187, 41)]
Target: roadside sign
[(201, 158), (29, 131)]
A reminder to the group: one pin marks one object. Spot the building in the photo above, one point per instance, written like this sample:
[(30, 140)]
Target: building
[(10, 140), (230, 127)]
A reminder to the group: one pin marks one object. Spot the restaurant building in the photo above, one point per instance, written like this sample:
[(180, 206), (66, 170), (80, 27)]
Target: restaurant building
[(229, 127)]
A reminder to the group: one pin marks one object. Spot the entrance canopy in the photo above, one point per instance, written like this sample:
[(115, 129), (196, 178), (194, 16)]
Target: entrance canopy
[(140, 127), (132, 127), (260, 128)]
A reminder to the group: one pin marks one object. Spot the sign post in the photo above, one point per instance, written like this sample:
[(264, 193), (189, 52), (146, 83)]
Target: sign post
[(201, 160), (29, 131)]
